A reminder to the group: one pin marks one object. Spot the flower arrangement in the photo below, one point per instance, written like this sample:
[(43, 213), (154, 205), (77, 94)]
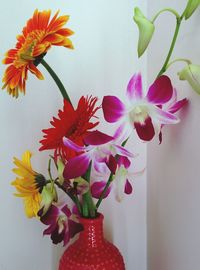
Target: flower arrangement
[(89, 163)]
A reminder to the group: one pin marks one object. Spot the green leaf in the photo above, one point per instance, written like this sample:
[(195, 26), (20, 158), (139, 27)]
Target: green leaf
[(192, 5), (191, 73), (146, 30)]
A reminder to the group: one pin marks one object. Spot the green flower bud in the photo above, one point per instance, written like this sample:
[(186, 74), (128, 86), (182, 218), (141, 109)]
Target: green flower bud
[(192, 5), (49, 195), (191, 73), (61, 167), (146, 30)]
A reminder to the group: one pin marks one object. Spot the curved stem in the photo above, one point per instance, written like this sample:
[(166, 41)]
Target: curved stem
[(179, 60), (164, 67), (104, 191), (164, 10), (56, 79)]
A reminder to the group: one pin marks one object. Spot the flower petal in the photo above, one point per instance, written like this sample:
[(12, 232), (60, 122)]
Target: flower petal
[(178, 105), (113, 108), (67, 142), (97, 188), (160, 91), (165, 117), (120, 150), (76, 166), (97, 138), (124, 161), (145, 130), (128, 189), (134, 88)]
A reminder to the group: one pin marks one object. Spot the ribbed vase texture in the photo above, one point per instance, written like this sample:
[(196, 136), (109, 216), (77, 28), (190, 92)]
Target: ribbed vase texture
[(91, 251)]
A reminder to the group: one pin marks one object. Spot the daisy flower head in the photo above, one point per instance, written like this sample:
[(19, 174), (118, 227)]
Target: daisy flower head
[(28, 183), (39, 34)]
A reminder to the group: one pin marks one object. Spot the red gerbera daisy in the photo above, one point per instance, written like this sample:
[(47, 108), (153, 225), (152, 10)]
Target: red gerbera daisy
[(71, 123)]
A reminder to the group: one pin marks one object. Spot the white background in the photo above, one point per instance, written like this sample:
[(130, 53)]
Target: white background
[(173, 174), (104, 59)]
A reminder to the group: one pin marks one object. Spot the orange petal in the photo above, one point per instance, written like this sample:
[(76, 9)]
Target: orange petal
[(54, 38), (35, 71), (65, 32)]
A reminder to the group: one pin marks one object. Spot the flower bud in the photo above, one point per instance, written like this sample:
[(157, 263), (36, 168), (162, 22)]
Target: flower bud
[(192, 5), (191, 73), (146, 30), (49, 195), (61, 167)]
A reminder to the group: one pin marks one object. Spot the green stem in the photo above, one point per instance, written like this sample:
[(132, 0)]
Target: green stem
[(72, 197), (89, 209), (164, 67), (104, 191), (56, 79), (164, 10), (179, 60)]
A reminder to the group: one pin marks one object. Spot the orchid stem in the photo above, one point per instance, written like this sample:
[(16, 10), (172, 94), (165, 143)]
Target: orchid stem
[(164, 67), (164, 10), (63, 189), (179, 60), (56, 79), (89, 209), (104, 191)]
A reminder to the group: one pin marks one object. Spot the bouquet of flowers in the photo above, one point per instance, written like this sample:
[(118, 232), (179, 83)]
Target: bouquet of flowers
[(89, 163)]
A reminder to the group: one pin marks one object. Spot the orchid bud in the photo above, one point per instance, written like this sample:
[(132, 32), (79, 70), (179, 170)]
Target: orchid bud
[(192, 5), (191, 73), (146, 30), (61, 167), (49, 195)]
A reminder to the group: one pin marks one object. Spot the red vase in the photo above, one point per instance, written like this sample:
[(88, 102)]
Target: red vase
[(91, 251)]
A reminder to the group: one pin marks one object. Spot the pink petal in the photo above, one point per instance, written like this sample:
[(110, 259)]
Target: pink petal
[(51, 216), (128, 187), (165, 117), (124, 161), (113, 108), (112, 164), (178, 105), (134, 88), (120, 150), (160, 91), (97, 188), (97, 138), (65, 209), (76, 166), (74, 228), (67, 142), (145, 130)]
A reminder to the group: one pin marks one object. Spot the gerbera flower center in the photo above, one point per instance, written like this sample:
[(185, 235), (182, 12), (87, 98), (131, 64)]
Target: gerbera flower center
[(25, 53)]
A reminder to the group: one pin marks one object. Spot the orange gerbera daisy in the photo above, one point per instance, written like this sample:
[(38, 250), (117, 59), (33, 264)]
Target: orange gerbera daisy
[(39, 34)]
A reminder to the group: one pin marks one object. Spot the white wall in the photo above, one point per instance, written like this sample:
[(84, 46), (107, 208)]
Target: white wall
[(173, 182), (102, 63)]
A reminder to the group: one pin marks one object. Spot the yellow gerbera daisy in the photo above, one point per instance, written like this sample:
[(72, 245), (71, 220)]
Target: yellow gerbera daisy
[(28, 184)]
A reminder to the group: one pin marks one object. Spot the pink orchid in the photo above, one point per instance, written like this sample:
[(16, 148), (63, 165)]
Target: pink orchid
[(62, 224), (173, 106), (141, 112), (100, 147)]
